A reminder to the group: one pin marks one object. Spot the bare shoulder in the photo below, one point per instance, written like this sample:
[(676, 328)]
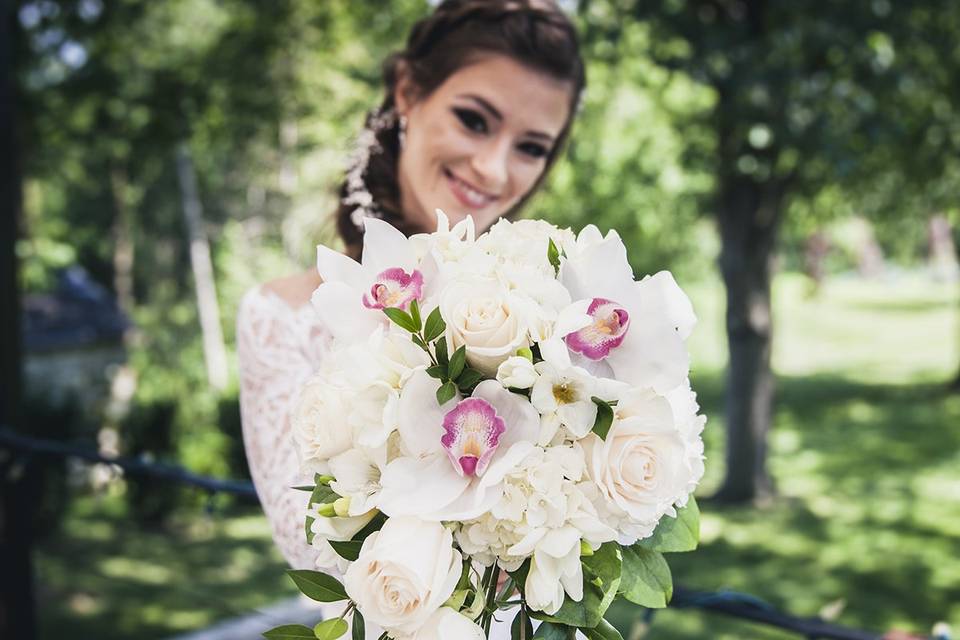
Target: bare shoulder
[(295, 289)]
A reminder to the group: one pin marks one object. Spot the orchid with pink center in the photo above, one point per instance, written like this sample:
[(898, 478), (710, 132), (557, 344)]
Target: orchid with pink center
[(432, 478), (607, 330), (472, 434), (394, 288), (649, 320), (350, 300)]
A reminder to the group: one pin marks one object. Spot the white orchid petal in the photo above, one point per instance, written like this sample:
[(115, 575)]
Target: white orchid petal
[(412, 486), (342, 313), (385, 247), (420, 417)]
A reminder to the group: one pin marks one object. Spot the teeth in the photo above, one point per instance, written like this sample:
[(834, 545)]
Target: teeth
[(474, 197)]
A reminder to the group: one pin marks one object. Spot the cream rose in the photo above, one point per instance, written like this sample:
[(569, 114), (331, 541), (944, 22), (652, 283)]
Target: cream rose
[(485, 317), (641, 466), (404, 573), (320, 423)]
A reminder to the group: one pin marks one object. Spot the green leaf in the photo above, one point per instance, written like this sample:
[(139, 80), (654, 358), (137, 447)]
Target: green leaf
[(323, 494), (435, 325), (440, 348), (522, 627), (330, 629), (415, 314), (349, 550), (371, 527), (402, 319), (417, 340), (457, 362), (304, 487), (318, 586), (308, 528), (603, 631), (676, 534), (359, 632), (646, 577), (437, 371), (290, 632), (469, 379), (553, 255), (551, 631), (601, 579), (446, 391), (601, 426)]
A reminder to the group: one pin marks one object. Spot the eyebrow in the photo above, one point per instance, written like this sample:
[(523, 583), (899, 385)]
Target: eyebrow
[(499, 116)]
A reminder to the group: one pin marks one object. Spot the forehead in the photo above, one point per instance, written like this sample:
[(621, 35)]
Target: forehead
[(527, 98)]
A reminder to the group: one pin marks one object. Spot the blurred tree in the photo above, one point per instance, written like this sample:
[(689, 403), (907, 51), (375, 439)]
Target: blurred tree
[(802, 96)]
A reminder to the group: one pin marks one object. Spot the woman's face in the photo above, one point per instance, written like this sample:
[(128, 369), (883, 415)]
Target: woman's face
[(479, 142)]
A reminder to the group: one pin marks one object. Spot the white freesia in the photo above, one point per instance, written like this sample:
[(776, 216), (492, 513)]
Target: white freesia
[(567, 395), (516, 372), (357, 476), (324, 529), (403, 574), (554, 569), (446, 624), (485, 318)]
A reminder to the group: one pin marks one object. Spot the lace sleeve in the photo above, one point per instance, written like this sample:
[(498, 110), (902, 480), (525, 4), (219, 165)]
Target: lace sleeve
[(278, 347)]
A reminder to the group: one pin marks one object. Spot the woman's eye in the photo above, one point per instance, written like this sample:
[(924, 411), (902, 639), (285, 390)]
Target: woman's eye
[(471, 120), (533, 149)]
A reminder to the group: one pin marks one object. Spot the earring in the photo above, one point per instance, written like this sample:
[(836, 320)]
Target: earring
[(402, 131)]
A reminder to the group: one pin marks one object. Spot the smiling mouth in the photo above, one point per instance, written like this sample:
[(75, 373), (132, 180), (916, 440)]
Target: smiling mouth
[(467, 194)]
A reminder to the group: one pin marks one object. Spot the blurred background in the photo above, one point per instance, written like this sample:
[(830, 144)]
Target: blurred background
[(794, 164)]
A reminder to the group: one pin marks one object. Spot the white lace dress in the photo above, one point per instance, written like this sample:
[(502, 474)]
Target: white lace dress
[(278, 348)]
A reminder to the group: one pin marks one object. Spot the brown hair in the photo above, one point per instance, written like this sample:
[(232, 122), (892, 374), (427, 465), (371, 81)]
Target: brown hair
[(533, 32)]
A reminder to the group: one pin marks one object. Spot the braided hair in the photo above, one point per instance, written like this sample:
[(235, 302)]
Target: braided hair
[(535, 33)]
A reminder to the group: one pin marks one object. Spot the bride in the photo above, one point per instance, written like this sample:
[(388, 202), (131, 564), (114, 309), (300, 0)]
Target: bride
[(476, 110)]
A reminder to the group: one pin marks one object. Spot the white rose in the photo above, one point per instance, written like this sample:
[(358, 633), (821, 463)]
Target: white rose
[(320, 422), (516, 372), (641, 466), (483, 316), (404, 573), (447, 623)]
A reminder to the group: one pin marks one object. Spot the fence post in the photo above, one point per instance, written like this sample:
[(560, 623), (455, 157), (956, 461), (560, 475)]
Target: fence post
[(16, 579)]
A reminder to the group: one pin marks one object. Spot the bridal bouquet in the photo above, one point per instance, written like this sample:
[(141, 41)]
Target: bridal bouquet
[(503, 426)]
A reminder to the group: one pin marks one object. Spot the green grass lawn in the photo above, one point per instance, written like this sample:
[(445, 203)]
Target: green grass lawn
[(865, 451)]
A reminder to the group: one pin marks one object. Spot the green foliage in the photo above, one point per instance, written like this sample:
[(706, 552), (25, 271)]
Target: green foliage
[(318, 586), (601, 580), (676, 534), (330, 629), (604, 419), (290, 632), (646, 577)]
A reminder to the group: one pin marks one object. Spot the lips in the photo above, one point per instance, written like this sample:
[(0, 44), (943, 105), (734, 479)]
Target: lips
[(468, 195)]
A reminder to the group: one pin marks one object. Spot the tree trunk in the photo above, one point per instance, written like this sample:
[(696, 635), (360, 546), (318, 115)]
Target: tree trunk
[(214, 351), (122, 239), (16, 577), (749, 214)]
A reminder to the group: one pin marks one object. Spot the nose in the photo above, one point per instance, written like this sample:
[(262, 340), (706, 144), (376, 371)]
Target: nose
[(491, 163)]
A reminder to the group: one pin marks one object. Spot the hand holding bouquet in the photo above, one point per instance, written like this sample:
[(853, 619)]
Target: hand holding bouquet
[(514, 402)]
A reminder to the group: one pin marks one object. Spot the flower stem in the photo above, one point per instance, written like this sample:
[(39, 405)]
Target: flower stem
[(491, 577)]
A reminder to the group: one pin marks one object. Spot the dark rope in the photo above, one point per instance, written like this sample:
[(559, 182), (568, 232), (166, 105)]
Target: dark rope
[(132, 466), (741, 605)]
